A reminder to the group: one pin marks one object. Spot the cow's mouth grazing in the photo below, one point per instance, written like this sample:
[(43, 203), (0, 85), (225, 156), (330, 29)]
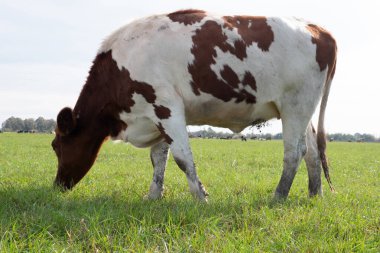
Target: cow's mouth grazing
[(64, 183)]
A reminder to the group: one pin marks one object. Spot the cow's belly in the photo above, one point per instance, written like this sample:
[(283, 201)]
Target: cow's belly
[(140, 132), (230, 115)]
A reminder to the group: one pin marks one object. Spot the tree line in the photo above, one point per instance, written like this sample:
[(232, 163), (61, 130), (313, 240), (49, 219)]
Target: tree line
[(40, 125), (209, 133), (352, 138)]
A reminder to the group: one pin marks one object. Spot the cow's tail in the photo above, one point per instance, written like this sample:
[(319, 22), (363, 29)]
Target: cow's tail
[(321, 135)]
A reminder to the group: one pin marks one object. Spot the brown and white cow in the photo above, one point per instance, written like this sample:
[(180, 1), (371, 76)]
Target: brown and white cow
[(155, 75)]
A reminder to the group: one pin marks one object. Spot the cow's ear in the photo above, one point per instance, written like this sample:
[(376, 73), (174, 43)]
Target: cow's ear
[(66, 121)]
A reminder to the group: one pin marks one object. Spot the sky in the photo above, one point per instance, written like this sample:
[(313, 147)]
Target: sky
[(47, 46)]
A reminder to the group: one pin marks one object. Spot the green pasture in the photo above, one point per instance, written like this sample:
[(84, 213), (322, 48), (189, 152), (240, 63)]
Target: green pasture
[(106, 212)]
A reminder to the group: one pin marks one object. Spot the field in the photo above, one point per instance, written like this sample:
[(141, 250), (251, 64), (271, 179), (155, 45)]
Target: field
[(106, 212)]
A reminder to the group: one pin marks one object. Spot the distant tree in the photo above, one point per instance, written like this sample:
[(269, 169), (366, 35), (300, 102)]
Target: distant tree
[(40, 124), (267, 137), (364, 137), (341, 137), (49, 125), (13, 124), (29, 125)]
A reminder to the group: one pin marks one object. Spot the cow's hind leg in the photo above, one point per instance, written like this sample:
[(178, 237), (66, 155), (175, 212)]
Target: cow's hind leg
[(175, 134), (159, 157), (313, 162), (296, 108), (294, 129)]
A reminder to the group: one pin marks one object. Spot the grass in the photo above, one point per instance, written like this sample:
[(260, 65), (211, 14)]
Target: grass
[(105, 212)]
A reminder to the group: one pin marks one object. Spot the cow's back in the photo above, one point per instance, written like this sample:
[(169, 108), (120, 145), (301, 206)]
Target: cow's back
[(224, 68)]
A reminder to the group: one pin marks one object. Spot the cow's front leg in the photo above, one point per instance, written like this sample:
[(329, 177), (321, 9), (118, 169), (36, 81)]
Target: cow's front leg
[(159, 157), (175, 134)]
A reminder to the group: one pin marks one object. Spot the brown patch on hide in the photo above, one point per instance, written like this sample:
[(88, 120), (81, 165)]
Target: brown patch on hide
[(326, 48), (249, 80), (162, 112), (107, 84), (251, 29), (205, 41), (167, 138), (230, 76), (187, 17)]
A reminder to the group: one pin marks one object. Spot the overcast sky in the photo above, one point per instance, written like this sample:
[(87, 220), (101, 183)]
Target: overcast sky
[(47, 46)]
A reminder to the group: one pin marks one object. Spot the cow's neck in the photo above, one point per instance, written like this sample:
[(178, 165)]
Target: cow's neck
[(98, 103)]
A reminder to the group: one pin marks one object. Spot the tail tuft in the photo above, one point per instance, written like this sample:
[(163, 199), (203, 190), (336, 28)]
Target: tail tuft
[(321, 140)]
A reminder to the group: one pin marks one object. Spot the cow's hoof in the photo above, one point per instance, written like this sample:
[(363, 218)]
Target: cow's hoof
[(279, 197), (201, 196), (150, 197), (154, 195), (202, 200), (316, 194), (155, 192)]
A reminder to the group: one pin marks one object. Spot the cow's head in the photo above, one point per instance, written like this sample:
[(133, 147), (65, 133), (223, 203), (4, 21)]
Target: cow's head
[(76, 145)]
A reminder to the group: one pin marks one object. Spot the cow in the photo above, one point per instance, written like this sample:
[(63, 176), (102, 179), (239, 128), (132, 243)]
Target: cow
[(156, 75)]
